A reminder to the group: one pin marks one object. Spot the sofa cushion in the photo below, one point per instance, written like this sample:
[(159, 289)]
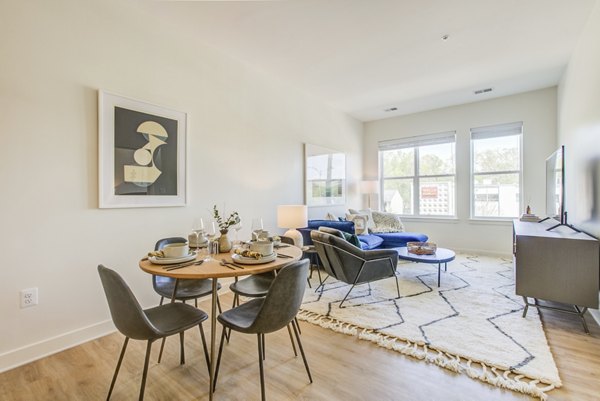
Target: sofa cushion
[(387, 222), (345, 226), (369, 214), (370, 241), (353, 239), (360, 223), (396, 240)]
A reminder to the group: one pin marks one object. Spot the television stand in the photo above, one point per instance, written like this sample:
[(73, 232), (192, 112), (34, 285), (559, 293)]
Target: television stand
[(578, 311), (556, 266)]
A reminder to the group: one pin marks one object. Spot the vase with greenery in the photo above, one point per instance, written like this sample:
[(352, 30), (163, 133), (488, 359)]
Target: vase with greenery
[(224, 225)]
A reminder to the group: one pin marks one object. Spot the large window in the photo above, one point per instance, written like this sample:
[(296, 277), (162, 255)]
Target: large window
[(418, 175), (496, 171)]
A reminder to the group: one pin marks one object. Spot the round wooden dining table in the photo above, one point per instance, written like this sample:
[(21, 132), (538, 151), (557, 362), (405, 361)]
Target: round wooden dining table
[(215, 269)]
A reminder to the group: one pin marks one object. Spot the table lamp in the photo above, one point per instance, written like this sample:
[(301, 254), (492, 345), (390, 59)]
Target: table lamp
[(369, 187), (292, 217)]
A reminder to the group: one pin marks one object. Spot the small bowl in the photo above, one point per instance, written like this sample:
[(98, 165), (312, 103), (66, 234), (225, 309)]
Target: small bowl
[(178, 250), (421, 248), (265, 248)]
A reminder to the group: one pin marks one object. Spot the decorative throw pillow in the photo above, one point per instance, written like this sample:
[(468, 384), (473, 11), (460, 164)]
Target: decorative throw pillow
[(368, 213), (387, 223), (352, 238), (360, 223), (330, 216)]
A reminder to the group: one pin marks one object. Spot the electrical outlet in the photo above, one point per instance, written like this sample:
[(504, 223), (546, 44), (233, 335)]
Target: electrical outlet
[(29, 297)]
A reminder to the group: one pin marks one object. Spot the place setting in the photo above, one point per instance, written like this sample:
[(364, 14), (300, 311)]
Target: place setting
[(174, 256)]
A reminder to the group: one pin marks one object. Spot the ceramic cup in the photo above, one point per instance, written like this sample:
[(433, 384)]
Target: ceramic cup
[(263, 247), (176, 250)]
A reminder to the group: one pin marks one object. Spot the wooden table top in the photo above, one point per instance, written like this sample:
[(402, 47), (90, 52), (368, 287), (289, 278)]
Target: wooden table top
[(213, 268)]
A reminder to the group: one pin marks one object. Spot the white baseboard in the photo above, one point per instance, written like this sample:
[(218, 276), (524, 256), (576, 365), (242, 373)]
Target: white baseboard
[(483, 252), (31, 352), (41, 349)]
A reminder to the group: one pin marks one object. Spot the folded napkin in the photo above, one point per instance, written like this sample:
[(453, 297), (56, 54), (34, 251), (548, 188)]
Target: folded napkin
[(248, 253)]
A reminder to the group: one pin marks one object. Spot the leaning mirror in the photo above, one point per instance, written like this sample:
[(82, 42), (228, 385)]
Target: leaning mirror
[(325, 176)]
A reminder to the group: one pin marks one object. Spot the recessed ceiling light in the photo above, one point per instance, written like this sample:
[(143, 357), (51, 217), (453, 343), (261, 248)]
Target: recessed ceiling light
[(480, 91), (445, 37), (390, 109)]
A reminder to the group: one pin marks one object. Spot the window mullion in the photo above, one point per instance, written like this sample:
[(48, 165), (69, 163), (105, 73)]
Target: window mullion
[(416, 184)]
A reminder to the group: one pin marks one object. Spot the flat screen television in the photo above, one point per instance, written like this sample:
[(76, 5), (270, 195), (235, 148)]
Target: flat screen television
[(555, 186)]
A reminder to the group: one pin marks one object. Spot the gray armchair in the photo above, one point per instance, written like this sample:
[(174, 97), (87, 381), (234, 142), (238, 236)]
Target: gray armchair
[(350, 264)]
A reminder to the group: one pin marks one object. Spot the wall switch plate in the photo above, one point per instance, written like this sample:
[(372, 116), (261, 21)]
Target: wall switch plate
[(29, 297)]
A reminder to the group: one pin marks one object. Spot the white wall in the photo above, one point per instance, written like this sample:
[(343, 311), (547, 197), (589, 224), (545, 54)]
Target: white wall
[(536, 109), (579, 125), (245, 150)]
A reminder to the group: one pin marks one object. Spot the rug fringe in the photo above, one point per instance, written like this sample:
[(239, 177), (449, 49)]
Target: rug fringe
[(493, 375)]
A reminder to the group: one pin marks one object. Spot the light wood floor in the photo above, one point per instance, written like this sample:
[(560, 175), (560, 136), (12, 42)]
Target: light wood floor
[(343, 368)]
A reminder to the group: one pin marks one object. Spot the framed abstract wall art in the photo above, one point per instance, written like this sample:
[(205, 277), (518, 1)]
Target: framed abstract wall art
[(142, 153)]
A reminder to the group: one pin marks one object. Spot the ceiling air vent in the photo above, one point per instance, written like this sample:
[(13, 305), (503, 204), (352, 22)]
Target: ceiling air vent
[(480, 91), (390, 109)]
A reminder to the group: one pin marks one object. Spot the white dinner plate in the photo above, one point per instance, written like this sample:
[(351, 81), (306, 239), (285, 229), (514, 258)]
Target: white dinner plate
[(251, 261), (169, 261)]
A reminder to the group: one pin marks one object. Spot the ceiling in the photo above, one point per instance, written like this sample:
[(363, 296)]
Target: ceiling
[(365, 56)]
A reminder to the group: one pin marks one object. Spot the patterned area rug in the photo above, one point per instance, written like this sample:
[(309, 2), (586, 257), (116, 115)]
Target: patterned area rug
[(471, 324)]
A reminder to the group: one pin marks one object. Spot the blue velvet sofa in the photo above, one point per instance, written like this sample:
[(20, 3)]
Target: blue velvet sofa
[(367, 242)]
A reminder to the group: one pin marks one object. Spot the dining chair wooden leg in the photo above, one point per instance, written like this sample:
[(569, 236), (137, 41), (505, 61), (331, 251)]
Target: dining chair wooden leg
[(302, 351), (204, 347), (260, 365), (182, 349), (145, 374), (114, 379), (292, 339), (219, 358), (162, 346)]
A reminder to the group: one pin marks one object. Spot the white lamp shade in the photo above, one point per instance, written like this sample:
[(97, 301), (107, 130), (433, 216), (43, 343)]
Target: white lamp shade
[(292, 216), (369, 187)]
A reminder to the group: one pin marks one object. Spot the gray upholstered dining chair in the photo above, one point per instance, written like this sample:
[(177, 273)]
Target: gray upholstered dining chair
[(257, 286), (187, 289), (149, 324), (269, 314), (350, 264)]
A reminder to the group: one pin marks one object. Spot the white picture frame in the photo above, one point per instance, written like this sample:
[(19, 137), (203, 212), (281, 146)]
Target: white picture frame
[(325, 176), (141, 153)]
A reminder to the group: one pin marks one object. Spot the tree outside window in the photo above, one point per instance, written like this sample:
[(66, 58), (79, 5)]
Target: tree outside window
[(418, 176)]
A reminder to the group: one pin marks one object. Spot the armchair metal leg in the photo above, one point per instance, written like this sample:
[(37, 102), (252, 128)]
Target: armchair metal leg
[(260, 365), (322, 285), (114, 379), (348, 293), (297, 324), (302, 351), (161, 300), (145, 374)]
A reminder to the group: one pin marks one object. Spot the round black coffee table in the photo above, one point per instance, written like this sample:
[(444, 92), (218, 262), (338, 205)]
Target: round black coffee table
[(441, 255)]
